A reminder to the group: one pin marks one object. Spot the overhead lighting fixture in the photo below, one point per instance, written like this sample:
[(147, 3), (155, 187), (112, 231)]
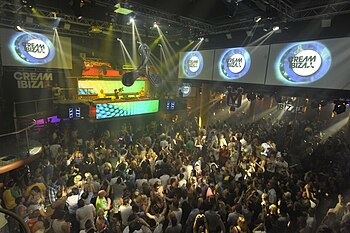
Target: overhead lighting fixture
[(257, 19), (119, 9), (339, 107), (19, 28), (326, 23), (155, 25), (28, 3), (275, 28), (251, 96), (67, 26), (131, 20)]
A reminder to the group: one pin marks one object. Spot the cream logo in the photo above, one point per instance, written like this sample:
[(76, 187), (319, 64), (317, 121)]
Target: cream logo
[(234, 63), (192, 64), (303, 62), (33, 48), (186, 89)]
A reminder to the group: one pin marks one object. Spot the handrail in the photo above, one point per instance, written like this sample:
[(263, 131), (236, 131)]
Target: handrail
[(15, 216), (32, 101), (19, 131)]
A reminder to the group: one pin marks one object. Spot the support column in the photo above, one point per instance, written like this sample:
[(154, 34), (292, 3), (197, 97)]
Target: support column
[(204, 106)]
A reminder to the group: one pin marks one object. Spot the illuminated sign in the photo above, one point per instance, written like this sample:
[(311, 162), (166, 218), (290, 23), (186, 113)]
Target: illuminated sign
[(234, 63), (93, 87), (33, 48), (303, 62), (192, 64), (33, 80), (122, 109), (185, 89)]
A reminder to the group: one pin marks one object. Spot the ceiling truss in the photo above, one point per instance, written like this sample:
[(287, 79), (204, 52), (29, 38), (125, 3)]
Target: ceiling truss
[(284, 8)]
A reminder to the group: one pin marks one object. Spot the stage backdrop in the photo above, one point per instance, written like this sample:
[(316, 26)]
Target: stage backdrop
[(316, 64), (196, 65), (241, 65), (31, 49)]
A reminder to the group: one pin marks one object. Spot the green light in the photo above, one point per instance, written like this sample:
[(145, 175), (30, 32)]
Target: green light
[(122, 109)]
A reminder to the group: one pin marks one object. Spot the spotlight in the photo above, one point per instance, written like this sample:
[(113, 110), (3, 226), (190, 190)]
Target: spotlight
[(201, 38), (257, 19), (251, 96), (28, 3), (260, 96), (275, 28), (79, 16), (19, 28), (118, 39), (339, 107), (131, 20), (155, 25)]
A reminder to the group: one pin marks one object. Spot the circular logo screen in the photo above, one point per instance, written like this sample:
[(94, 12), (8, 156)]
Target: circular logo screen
[(234, 63), (192, 64), (33, 48), (304, 62)]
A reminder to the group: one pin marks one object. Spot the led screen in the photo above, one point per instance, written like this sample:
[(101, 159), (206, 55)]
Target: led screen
[(197, 65), (315, 64), (241, 65), (93, 87), (35, 50), (113, 110)]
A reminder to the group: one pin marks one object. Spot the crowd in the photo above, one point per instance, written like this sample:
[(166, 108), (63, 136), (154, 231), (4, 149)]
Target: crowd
[(171, 177)]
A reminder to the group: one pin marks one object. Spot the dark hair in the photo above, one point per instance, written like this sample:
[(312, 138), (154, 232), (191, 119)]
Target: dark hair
[(18, 200), (135, 208), (81, 203), (59, 214), (84, 195), (36, 189)]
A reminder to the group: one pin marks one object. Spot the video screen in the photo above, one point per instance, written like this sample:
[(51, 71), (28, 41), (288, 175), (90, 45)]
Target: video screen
[(35, 49), (196, 65), (93, 87), (315, 64), (241, 65), (122, 109), (170, 105)]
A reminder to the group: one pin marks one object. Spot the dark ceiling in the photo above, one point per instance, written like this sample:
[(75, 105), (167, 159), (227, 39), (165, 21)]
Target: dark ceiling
[(187, 18)]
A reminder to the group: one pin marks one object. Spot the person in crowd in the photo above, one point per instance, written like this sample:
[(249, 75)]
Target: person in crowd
[(59, 225)]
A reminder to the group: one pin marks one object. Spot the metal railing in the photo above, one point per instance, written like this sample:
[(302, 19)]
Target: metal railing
[(18, 132), (22, 224)]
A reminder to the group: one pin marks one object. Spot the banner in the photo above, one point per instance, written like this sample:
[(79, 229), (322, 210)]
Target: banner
[(316, 64), (241, 65), (29, 85), (32, 49), (196, 65)]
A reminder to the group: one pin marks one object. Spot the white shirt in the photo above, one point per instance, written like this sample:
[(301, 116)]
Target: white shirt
[(72, 202), (84, 213), (125, 212)]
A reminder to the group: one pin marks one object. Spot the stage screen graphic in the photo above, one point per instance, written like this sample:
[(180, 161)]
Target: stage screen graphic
[(93, 87), (196, 65), (35, 50), (122, 109), (241, 65), (315, 64)]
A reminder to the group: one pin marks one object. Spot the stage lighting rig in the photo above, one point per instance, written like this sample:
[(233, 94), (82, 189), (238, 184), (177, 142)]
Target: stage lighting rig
[(339, 107), (251, 96)]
